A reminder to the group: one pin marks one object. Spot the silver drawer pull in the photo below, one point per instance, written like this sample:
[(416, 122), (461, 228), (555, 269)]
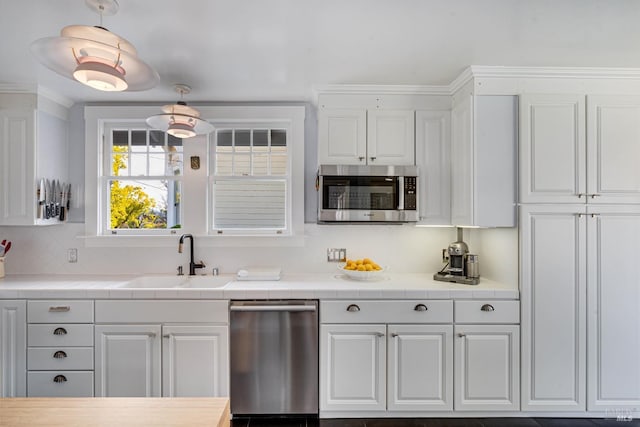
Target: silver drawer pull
[(59, 354), (60, 331), (487, 307), (59, 309), (420, 307), (353, 308), (60, 379)]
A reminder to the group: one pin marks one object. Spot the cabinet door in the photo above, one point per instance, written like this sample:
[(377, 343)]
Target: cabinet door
[(613, 316), (487, 367), (420, 369), (127, 360), (13, 348), (342, 136), (391, 137), (552, 148), (461, 154), (553, 301), (433, 158), (613, 149), (195, 361), (352, 367), (17, 158)]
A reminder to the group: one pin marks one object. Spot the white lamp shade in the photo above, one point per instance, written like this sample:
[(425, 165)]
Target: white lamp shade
[(180, 121), (84, 53)]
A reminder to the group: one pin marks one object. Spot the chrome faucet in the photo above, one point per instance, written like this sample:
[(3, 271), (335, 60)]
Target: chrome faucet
[(192, 265)]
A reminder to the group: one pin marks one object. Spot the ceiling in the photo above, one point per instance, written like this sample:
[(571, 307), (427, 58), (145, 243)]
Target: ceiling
[(278, 50)]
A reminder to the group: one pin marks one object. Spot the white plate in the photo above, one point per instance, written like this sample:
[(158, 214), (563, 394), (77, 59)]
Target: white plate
[(363, 275)]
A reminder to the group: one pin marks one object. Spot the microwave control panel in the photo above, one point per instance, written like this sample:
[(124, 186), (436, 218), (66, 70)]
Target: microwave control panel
[(410, 184)]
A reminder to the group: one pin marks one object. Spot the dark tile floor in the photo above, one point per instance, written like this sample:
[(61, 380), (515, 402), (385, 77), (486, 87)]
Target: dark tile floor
[(433, 422)]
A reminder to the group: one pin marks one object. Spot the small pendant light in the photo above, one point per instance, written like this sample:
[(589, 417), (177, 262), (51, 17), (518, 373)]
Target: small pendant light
[(179, 119), (96, 57)]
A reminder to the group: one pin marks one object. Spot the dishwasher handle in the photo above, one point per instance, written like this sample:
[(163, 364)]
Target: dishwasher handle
[(273, 308)]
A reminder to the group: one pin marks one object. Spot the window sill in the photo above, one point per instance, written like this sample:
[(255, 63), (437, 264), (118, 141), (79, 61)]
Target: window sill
[(202, 240)]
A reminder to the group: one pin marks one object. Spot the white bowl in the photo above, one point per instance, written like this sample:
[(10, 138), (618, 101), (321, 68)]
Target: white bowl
[(362, 275)]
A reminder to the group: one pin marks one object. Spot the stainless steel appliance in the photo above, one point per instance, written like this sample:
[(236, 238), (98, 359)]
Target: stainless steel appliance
[(348, 193), (274, 357), (461, 266)]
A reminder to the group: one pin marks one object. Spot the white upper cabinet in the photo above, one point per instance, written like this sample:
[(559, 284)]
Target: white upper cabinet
[(483, 160), (577, 149), (33, 146), (342, 136), (357, 136), (390, 137), (433, 158), (613, 149)]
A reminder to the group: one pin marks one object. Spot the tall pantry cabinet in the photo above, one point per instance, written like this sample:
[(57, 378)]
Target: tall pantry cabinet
[(579, 231)]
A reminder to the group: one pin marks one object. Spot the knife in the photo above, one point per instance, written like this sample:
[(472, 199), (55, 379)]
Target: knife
[(63, 196), (56, 199), (47, 199), (41, 195)]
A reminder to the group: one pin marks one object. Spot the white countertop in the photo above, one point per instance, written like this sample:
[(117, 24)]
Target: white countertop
[(291, 286)]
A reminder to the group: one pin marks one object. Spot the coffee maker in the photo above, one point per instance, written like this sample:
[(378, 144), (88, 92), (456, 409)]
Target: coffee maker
[(461, 266)]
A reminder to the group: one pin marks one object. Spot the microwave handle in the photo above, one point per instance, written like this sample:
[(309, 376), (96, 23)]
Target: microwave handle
[(400, 193)]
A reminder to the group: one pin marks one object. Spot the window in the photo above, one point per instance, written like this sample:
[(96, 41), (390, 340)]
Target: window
[(141, 180), (250, 182), (251, 175)]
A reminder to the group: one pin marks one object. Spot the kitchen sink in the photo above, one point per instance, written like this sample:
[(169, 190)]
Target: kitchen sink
[(205, 282), (163, 282)]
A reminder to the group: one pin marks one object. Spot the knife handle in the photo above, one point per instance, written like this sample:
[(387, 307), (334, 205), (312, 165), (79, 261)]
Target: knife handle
[(62, 213)]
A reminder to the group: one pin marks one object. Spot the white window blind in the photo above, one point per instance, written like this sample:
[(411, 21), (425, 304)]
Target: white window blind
[(249, 203), (251, 179)]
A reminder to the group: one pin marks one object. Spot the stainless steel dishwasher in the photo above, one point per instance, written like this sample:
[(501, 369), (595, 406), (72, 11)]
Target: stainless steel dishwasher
[(274, 357)]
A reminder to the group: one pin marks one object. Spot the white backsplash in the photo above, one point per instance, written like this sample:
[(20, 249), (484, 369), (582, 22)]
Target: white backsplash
[(405, 249)]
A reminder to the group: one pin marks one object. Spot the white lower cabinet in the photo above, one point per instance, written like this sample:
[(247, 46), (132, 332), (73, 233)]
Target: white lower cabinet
[(13, 348), (149, 358), (128, 361), (60, 348), (487, 366), (194, 361), (380, 366)]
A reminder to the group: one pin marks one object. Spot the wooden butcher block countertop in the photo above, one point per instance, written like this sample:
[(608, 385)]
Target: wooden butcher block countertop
[(115, 412)]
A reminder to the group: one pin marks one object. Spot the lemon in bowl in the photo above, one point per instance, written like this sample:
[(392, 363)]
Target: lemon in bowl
[(361, 269)]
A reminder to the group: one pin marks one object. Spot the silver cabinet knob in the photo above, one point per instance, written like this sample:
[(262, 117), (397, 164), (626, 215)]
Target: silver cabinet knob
[(461, 335), (353, 308), (361, 158), (373, 158), (379, 334), (487, 307), (59, 354), (420, 307), (166, 336), (394, 335), (60, 379), (60, 331)]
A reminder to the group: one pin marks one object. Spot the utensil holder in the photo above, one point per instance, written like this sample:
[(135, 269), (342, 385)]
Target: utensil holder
[(1, 266)]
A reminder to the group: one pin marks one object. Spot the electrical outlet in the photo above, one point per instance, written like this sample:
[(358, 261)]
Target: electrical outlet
[(72, 255), (336, 255)]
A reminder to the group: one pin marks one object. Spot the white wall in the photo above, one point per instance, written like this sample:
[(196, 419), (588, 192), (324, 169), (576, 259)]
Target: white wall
[(403, 248)]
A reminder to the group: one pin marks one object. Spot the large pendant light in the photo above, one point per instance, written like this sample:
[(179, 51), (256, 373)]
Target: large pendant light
[(179, 119), (96, 57)]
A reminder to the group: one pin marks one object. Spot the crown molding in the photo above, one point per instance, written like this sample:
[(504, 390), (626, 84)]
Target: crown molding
[(34, 89), (483, 71), (353, 89)]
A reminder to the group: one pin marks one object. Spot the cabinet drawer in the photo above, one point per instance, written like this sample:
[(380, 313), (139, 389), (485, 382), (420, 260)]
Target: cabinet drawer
[(59, 358), (69, 384), (158, 311), (64, 335), (487, 311), (396, 311), (60, 311)]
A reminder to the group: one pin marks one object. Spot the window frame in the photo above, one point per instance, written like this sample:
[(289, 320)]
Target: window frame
[(195, 190)]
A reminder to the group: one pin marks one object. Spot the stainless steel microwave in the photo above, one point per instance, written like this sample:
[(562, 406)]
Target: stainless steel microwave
[(349, 193)]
